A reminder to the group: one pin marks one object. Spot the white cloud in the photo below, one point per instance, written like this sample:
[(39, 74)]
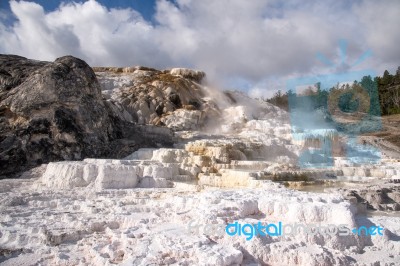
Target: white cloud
[(87, 30), (255, 40), (381, 20)]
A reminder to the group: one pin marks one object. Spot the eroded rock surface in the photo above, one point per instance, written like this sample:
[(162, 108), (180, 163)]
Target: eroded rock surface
[(151, 226), (54, 111), (50, 111), (172, 98)]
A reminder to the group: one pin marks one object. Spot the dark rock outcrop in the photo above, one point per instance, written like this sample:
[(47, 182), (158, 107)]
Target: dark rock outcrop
[(385, 197), (176, 98), (53, 111)]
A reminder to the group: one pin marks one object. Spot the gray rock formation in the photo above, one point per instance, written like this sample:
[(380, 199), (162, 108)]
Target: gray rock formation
[(172, 98), (188, 73), (382, 197), (53, 111)]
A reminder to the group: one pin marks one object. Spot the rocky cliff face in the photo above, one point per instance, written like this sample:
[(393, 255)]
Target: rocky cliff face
[(65, 110), (55, 111), (49, 111), (172, 98)]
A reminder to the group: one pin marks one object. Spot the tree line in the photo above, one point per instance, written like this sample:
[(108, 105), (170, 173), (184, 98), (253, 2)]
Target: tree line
[(376, 96)]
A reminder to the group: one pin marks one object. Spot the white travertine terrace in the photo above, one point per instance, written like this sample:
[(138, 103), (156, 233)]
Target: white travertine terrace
[(136, 211), (144, 226)]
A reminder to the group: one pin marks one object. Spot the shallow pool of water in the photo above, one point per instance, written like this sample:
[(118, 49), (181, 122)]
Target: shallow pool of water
[(322, 185)]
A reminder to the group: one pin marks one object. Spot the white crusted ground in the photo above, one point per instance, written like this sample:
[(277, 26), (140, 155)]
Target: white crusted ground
[(136, 211), (50, 226)]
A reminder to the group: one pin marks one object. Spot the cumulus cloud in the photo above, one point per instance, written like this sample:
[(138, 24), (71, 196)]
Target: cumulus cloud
[(87, 30), (257, 41), (381, 30)]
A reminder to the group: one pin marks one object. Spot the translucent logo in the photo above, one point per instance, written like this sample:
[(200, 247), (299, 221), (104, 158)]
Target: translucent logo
[(279, 229), (330, 112)]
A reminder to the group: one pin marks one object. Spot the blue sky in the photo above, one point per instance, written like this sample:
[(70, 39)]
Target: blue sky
[(145, 7), (251, 45)]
